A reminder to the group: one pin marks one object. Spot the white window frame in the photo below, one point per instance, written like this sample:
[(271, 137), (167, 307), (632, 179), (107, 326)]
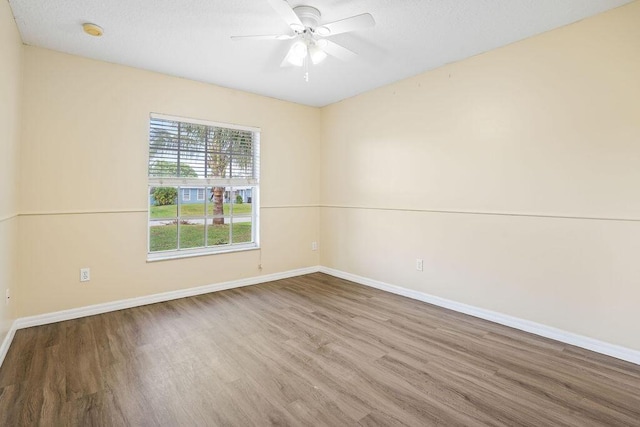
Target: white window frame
[(208, 183), (187, 192), (198, 198)]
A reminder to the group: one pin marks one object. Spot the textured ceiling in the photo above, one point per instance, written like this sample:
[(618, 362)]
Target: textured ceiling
[(191, 38)]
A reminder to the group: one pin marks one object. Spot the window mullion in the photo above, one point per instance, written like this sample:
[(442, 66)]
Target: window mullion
[(179, 148), (206, 219), (230, 215), (178, 204)]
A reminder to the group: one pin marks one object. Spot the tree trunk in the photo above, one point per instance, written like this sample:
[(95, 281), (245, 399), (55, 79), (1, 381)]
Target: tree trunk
[(218, 205)]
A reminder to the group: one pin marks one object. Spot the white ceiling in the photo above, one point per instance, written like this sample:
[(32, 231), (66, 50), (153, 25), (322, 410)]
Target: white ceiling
[(191, 38)]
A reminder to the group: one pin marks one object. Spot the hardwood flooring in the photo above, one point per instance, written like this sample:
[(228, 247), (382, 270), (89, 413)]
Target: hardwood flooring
[(311, 350)]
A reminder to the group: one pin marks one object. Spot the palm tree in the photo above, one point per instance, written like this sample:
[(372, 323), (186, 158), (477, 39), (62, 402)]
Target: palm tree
[(229, 155)]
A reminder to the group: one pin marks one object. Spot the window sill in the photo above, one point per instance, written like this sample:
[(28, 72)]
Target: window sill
[(190, 253)]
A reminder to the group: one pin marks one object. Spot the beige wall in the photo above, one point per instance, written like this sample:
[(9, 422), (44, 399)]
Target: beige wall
[(10, 85), (539, 130), (84, 191)]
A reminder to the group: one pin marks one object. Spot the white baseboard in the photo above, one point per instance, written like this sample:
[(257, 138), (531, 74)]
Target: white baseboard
[(566, 337), (598, 346), (90, 310), (6, 342)]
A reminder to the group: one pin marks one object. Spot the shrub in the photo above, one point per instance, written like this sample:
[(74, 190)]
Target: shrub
[(239, 199), (165, 196)]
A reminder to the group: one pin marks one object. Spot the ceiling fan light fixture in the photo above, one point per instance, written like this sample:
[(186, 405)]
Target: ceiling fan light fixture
[(297, 53), (298, 28), (299, 49), (317, 55), (295, 61)]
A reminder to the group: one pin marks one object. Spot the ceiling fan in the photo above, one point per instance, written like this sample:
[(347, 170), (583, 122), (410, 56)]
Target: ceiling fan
[(309, 35)]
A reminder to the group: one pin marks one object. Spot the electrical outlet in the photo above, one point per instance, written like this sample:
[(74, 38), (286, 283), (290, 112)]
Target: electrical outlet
[(8, 296), (85, 274), (419, 264), (314, 246)]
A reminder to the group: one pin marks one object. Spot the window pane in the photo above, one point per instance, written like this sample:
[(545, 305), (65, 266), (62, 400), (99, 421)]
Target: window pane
[(241, 166), (178, 149), (193, 146), (217, 233), (163, 236), (190, 205), (219, 201), (192, 234), (241, 201), (162, 202), (241, 230), (163, 147), (224, 148)]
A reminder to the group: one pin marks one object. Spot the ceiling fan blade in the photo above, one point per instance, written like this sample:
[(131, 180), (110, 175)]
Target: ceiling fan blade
[(264, 37), (334, 49), (358, 22), (286, 12)]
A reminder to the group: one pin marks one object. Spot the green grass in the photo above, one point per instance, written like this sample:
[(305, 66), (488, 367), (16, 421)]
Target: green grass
[(197, 209), (165, 237)]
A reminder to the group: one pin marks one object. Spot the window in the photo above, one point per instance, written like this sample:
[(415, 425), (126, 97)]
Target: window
[(217, 162)]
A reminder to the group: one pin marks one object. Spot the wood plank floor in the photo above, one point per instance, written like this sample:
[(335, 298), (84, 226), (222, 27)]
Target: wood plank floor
[(312, 350)]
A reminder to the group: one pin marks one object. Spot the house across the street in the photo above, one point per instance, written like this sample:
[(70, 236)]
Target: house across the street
[(198, 194)]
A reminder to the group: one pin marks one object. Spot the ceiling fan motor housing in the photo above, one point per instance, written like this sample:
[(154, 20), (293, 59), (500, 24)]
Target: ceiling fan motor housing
[(309, 16)]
